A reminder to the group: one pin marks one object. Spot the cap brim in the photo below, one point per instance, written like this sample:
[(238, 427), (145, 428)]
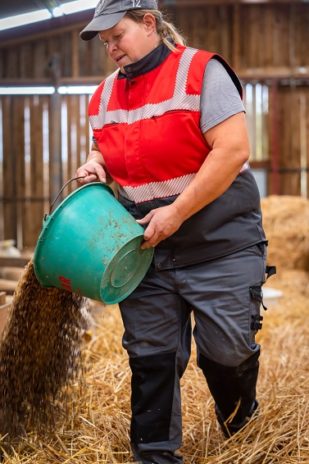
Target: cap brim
[(101, 23)]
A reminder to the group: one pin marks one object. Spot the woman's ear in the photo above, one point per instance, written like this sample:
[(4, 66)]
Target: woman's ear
[(150, 22)]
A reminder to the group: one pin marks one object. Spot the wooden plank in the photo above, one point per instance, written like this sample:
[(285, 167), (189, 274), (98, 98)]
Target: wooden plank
[(27, 223), (291, 34), (301, 36), (2, 298), (10, 82), (26, 61), (40, 60), (55, 59), (97, 64), (12, 69), (292, 160), (254, 124), (274, 73), (87, 129), (255, 37), (303, 123), (66, 55), (55, 160), (69, 142), (9, 169), (267, 36), (225, 14), (11, 273), (7, 286), (75, 54), (19, 138), (274, 139), (236, 57), (84, 128), (265, 122), (45, 115), (13, 261), (78, 132), (247, 74), (289, 148), (74, 127), (36, 208), (283, 141)]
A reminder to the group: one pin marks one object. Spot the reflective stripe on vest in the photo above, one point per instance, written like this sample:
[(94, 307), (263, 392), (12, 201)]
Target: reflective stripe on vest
[(179, 100), (167, 188), (147, 192)]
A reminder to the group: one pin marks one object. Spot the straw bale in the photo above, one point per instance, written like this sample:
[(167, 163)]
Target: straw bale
[(286, 222)]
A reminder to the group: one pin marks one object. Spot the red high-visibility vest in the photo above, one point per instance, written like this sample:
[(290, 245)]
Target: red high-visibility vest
[(148, 128)]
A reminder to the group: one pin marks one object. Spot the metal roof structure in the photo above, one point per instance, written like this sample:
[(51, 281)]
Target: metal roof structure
[(17, 7)]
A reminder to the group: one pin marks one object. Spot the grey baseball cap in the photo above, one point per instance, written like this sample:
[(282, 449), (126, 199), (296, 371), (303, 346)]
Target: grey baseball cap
[(109, 12)]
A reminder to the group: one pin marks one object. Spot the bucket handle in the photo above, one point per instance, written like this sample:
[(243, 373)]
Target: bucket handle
[(62, 188)]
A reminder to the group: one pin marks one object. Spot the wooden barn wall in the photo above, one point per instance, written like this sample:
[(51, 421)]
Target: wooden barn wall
[(44, 138), (292, 145), (251, 37)]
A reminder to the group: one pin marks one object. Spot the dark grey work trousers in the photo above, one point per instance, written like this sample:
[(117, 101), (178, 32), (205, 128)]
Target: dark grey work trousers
[(157, 336)]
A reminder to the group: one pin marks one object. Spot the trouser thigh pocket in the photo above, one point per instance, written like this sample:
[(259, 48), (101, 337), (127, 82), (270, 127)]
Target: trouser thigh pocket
[(256, 300)]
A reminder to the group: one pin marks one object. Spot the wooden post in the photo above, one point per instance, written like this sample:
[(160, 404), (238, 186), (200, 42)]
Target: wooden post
[(19, 136), (9, 169), (236, 38), (303, 148), (75, 54), (274, 139), (55, 159), (37, 190)]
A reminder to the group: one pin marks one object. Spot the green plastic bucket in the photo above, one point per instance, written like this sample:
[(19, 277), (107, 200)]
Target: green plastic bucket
[(90, 244)]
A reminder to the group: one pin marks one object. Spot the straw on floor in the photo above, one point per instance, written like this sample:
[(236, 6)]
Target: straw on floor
[(96, 428)]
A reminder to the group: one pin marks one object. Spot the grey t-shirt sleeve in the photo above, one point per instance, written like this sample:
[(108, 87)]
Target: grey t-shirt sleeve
[(220, 98)]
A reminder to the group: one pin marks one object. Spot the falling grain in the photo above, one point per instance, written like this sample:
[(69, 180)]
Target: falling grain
[(39, 355)]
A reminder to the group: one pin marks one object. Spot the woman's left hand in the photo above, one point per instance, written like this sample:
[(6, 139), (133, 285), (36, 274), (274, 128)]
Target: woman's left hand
[(162, 222)]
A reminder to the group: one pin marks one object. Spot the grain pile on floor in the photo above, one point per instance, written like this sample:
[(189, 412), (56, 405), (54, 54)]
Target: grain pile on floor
[(96, 431), (39, 354)]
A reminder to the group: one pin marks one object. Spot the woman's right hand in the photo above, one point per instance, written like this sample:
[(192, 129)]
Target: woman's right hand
[(92, 170)]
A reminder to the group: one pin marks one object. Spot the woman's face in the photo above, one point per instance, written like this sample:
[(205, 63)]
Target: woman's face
[(129, 41)]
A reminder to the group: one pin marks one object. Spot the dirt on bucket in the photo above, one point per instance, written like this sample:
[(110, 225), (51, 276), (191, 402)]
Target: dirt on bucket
[(39, 356)]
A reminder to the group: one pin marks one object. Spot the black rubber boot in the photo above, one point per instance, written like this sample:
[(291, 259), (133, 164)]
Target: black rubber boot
[(234, 391), (230, 428), (153, 394)]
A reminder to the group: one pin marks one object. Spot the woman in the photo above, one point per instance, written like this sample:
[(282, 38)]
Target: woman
[(169, 128)]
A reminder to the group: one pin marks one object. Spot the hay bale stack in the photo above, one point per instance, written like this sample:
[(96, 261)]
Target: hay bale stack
[(286, 222)]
